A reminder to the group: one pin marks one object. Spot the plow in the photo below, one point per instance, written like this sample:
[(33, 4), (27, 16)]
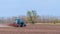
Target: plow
[(17, 25)]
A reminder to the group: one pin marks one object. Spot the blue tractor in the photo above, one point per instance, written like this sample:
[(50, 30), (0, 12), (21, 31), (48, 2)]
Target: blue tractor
[(20, 22)]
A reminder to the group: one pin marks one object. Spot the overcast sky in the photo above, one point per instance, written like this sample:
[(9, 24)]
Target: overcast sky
[(10, 8)]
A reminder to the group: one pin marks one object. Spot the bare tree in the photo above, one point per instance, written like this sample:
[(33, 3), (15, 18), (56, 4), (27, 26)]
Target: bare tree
[(32, 16)]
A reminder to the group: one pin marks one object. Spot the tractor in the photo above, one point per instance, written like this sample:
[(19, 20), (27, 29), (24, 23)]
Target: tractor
[(18, 23)]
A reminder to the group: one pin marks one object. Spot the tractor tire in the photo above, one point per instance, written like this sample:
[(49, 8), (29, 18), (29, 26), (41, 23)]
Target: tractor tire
[(21, 25), (24, 25)]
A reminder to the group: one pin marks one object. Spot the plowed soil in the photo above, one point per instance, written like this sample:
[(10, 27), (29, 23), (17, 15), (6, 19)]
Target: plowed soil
[(32, 29)]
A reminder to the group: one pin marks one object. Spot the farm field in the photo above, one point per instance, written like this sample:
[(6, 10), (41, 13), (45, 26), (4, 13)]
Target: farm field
[(31, 29)]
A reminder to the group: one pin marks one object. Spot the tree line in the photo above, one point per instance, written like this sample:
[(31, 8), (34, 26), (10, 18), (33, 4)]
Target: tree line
[(32, 17)]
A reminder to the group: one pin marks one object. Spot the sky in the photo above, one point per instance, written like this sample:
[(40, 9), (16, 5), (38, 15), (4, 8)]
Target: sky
[(9, 8)]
